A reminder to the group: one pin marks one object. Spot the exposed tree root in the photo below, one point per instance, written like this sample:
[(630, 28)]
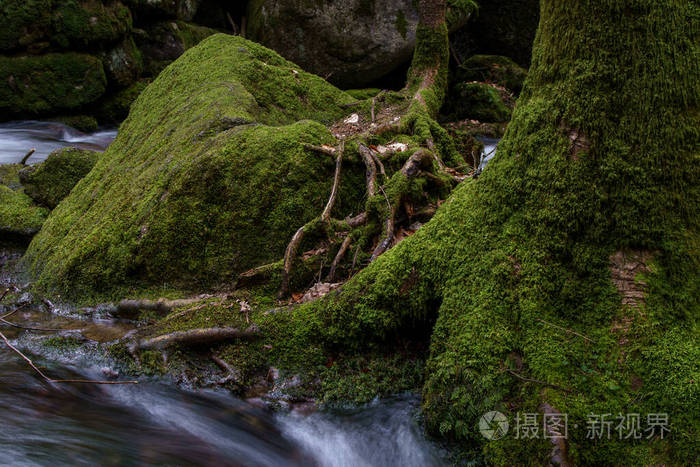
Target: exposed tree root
[(131, 308), (192, 337), (339, 257)]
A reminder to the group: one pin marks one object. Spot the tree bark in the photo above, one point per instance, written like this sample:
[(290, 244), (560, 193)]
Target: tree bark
[(596, 185)]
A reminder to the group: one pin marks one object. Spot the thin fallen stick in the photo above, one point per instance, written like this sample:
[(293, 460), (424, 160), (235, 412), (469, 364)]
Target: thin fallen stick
[(567, 330), (27, 156), (51, 380)]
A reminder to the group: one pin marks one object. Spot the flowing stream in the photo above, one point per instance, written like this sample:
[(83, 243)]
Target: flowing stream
[(17, 138), (157, 423)]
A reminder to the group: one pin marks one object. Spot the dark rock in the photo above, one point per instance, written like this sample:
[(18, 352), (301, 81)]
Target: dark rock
[(49, 83), (493, 69), (123, 64), (500, 27), (175, 9)]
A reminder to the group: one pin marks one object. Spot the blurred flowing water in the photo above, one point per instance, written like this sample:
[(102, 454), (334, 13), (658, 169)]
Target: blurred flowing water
[(159, 423), (18, 137)]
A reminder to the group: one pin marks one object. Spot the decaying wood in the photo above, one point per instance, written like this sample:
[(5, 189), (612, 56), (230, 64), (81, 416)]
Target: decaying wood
[(193, 337), (322, 149), (339, 257), (51, 380), (357, 221), (326, 214), (27, 156)]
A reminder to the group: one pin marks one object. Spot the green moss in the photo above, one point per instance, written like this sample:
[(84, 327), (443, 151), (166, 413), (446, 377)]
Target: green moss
[(48, 182), (207, 178), (49, 83), (18, 214), (79, 23), (516, 267), (62, 343), (477, 101), (493, 69), (23, 22), (123, 64), (362, 94), (9, 176)]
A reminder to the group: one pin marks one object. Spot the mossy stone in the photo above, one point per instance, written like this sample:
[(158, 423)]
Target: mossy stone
[(123, 64), (49, 83), (19, 216), (493, 69), (207, 177), (83, 23), (23, 22), (115, 107), (48, 182), (477, 101), (84, 123)]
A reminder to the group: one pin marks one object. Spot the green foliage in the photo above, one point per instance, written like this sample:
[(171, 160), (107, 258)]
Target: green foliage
[(49, 83), (207, 178), (50, 181)]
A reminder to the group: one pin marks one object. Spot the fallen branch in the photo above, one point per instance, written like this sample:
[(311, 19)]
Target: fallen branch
[(232, 373), (51, 380), (193, 337), (322, 149), (27, 156)]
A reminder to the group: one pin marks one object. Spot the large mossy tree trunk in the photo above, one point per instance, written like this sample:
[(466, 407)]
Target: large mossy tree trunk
[(567, 277)]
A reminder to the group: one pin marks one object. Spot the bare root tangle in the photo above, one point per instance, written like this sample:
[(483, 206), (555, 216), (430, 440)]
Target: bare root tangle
[(51, 380), (232, 374), (339, 257), (193, 337), (368, 159), (410, 169), (290, 252), (356, 221)]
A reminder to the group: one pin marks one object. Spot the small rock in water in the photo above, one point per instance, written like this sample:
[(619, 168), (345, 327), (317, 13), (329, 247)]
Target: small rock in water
[(110, 373)]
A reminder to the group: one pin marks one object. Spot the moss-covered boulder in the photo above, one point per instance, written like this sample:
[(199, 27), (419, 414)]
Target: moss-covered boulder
[(494, 69), (477, 101), (35, 85), (23, 22), (209, 176), (123, 64), (50, 181), (19, 216), (79, 23), (175, 9), (163, 42)]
